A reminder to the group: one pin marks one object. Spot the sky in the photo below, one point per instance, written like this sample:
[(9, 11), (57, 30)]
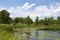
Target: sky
[(33, 8)]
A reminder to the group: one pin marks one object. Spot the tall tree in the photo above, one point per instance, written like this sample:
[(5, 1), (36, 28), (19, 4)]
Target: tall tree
[(58, 19), (51, 20), (22, 20), (4, 17), (17, 20), (41, 21), (46, 21), (28, 20), (37, 20)]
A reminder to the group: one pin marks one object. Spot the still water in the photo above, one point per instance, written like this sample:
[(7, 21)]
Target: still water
[(39, 35)]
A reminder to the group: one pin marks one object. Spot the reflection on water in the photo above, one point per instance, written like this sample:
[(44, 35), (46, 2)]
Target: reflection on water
[(39, 35)]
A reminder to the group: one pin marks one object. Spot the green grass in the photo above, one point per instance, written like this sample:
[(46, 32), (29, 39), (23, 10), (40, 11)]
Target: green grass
[(10, 27), (7, 32), (4, 35)]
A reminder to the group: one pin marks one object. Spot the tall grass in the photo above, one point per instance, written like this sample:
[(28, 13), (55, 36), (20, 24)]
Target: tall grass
[(7, 32)]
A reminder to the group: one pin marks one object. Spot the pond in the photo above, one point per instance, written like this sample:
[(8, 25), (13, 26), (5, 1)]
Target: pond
[(38, 35)]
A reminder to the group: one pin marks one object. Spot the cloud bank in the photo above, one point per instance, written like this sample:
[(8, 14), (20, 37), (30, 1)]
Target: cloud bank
[(40, 11)]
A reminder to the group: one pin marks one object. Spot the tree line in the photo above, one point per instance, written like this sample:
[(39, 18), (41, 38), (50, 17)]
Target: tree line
[(6, 19)]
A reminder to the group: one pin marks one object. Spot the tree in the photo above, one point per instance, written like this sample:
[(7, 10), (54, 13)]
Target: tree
[(58, 19), (28, 20), (51, 20), (46, 21), (37, 20), (41, 21), (22, 20), (4, 17), (17, 20), (10, 20)]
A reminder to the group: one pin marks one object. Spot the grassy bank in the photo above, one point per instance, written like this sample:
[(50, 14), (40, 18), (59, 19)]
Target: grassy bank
[(10, 27)]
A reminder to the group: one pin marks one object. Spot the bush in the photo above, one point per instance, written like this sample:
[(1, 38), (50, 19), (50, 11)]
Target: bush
[(6, 27)]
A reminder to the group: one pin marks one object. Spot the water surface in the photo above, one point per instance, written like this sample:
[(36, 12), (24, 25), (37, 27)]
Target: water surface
[(39, 35)]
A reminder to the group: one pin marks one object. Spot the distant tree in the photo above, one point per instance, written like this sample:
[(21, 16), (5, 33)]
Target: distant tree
[(16, 20), (10, 20), (22, 20), (37, 20), (41, 21), (55, 22), (51, 20), (58, 19), (4, 17), (46, 21), (28, 20)]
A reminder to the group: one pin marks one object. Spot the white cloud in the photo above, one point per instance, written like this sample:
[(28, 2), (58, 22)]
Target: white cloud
[(27, 6), (20, 10), (40, 11)]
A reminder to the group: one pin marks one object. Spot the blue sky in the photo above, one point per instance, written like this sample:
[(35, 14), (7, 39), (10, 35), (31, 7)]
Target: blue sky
[(9, 3), (33, 8)]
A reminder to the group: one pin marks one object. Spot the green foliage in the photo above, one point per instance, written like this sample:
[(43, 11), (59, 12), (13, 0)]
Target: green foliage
[(4, 35), (47, 21), (28, 20), (58, 20), (51, 20), (7, 27), (41, 22), (37, 20), (19, 25), (20, 22), (17, 19), (4, 17)]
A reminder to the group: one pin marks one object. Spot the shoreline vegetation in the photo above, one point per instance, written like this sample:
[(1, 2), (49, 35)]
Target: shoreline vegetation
[(8, 25), (11, 27), (48, 23)]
